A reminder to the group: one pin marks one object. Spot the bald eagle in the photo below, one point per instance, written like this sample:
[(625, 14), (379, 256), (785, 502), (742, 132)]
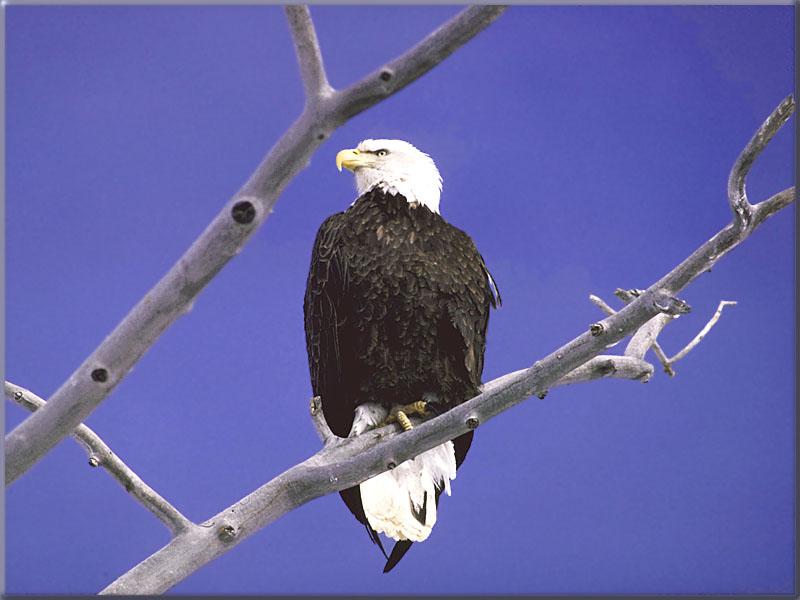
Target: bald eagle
[(396, 308)]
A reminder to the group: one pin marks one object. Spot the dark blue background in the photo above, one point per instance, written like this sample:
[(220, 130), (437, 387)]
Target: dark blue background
[(583, 148)]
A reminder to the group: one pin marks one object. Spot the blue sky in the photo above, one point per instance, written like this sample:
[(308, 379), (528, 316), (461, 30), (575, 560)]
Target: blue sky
[(583, 148)]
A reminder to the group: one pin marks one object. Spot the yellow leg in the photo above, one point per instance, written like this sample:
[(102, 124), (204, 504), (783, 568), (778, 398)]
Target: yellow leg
[(404, 421)]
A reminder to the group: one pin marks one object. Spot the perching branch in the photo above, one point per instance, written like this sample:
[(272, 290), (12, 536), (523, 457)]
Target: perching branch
[(343, 463), (100, 455), (174, 294)]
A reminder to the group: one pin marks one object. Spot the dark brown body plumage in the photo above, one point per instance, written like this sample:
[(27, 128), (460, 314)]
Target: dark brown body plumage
[(396, 306)]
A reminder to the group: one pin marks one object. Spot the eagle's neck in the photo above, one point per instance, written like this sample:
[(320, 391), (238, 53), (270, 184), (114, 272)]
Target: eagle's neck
[(422, 189)]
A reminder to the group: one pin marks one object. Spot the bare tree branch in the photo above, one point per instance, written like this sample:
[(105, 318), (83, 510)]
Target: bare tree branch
[(343, 463), (699, 337), (646, 336), (324, 432), (650, 331), (737, 194), (402, 71), (600, 367), (767, 208), (657, 350), (100, 455), (619, 367), (628, 297), (600, 303), (309, 56), (174, 294)]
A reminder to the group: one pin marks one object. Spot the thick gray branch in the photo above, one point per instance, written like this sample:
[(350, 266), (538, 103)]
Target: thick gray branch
[(737, 194), (173, 296), (599, 302), (402, 71), (348, 462), (309, 56), (723, 242), (100, 455)]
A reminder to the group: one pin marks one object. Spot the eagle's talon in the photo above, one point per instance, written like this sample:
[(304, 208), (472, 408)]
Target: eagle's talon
[(418, 407), (400, 414)]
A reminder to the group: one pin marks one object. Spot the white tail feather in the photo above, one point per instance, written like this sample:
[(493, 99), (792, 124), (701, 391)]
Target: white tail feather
[(388, 498)]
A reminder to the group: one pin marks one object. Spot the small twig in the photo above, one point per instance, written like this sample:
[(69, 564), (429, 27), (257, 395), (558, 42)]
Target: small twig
[(699, 337), (737, 194), (100, 455), (309, 57), (599, 302), (320, 424), (659, 352)]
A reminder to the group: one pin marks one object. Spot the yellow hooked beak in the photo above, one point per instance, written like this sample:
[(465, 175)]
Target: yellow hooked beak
[(351, 159)]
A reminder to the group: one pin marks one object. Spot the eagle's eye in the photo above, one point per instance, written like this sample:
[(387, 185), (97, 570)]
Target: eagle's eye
[(382, 153)]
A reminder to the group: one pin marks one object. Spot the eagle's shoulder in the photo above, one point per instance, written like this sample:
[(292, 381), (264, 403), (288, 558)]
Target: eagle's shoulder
[(464, 253), (329, 231)]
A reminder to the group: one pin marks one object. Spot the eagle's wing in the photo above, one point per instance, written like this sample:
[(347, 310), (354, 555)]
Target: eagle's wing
[(323, 304), (327, 335), (468, 309)]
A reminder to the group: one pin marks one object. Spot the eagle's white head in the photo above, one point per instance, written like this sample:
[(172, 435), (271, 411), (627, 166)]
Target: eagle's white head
[(397, 167)]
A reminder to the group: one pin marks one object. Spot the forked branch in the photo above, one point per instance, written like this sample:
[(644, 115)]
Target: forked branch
[(737, 193), (602, 305), (100, 455), (174, 294), (645, 338)]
